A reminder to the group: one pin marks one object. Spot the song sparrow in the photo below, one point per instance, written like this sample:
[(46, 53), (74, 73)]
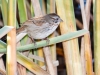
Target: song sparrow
[(41, 27)]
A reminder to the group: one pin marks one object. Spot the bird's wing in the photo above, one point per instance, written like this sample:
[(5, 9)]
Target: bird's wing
[(35, 21), (21, 29), (38, 21)]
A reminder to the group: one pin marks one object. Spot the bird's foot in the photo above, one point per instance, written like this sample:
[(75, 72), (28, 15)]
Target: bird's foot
[(47, 41), (35, 45)]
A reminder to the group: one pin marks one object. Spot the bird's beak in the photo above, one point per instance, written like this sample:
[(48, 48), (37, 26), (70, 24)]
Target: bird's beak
[(61, 20)]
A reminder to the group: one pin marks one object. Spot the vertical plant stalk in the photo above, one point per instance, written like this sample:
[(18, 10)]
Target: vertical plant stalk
[(23, 17), (20, 69), (83, 57), (96, 13), (4, 13), (49, 61), (22, 10), (51, 9), (52, 6), (11, 39), (74, 43), (87, 11), (44, 6), (67, 52), (37, 12), (28, 7), (71, 50), (11, 52), (53, 47), (87, 6), (87, 44), (47, 54), (37, 8), (40, 53), (48, 6)]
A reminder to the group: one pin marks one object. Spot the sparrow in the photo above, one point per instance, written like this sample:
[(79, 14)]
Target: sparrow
[(41, 27)]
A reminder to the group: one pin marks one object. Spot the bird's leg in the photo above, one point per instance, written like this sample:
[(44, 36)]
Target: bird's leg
[(34, 42), (47, 40)]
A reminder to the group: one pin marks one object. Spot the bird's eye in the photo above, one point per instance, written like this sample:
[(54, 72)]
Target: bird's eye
[(57, 19)]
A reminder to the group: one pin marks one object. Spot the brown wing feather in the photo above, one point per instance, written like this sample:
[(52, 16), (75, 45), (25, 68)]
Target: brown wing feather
[(39, 21), (36, 21), (21, 29)]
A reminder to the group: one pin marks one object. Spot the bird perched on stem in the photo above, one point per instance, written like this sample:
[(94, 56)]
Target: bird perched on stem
[(41, 27)]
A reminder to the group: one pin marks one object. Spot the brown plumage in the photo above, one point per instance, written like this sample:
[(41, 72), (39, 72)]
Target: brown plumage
[(41, 27)]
